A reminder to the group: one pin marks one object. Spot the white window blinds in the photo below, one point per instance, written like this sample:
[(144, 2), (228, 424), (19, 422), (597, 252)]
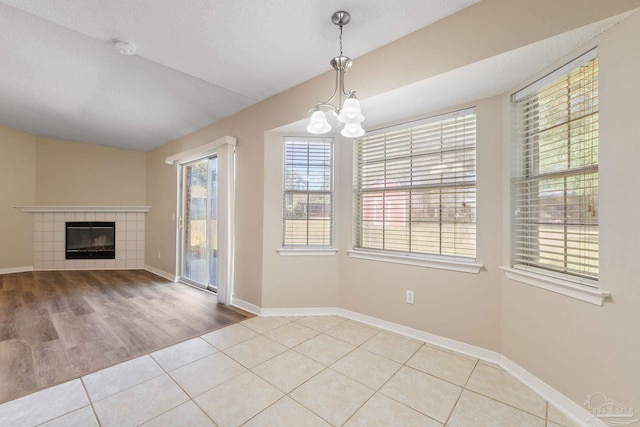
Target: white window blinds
[(555, 194), (415, 188), (308, 192)]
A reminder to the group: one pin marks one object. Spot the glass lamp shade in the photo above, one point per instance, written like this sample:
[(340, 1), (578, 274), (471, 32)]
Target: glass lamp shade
[(352, 130), (350, 112), (318, 123)]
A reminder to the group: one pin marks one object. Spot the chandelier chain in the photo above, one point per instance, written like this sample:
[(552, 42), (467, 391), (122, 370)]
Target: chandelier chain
[(341, 40)]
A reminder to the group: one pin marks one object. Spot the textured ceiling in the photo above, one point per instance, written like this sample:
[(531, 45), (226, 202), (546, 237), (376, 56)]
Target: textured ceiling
[(489, 77), (198, 61)]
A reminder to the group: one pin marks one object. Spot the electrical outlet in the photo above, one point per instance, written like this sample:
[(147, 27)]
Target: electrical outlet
[(409, 297), (159, 254)]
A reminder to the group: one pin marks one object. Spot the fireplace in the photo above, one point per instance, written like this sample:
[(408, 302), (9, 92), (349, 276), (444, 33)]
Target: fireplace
[(90, 240)]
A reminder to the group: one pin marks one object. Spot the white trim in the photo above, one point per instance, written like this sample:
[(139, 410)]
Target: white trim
[(246, 306), (554, 75), (226, 225), (307, 252), (564, 287), (11, 270), (88, 268), (33, 209), (178, 222), (448, 343), (161, 273), (458, 346), (420, 122), (567, 406), (302, 311), (224, 150), (442, 264), (199, 152)]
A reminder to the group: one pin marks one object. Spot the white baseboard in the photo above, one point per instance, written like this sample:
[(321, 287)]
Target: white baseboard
[(16, 269), (246, 306), (161, 273), (567, 406), (88, 269), (302, 311), (458, 346)]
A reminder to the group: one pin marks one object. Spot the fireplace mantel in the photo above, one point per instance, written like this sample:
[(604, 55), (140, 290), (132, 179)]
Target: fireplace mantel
[(34, 209)]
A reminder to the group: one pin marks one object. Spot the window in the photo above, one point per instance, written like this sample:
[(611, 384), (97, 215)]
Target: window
[(555, 191), (415, 188), (308, 192)]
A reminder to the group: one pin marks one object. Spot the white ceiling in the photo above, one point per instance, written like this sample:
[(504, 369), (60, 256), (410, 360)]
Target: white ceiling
[(198, 61)]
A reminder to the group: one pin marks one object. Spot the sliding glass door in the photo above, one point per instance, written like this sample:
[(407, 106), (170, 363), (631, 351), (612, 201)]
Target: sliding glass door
[(199, 223)]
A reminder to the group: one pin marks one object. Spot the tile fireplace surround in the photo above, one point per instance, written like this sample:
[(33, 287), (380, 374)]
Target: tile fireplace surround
[(49, 236)]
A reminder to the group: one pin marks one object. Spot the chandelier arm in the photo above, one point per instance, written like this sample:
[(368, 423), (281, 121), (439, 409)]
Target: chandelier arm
[(337, 87), (323, 104)]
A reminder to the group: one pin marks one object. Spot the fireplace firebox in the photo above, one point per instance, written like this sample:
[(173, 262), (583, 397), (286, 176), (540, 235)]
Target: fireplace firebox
[(90, 240)]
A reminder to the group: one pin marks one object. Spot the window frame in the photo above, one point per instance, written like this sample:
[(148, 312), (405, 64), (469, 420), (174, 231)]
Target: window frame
[(287, 249), (528, 175), (431, 260), (578, 288)]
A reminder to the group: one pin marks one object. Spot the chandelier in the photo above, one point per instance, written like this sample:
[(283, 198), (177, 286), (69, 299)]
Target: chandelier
[(347, 112)]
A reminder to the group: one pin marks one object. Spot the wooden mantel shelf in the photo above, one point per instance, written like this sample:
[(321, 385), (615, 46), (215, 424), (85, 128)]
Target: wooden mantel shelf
[(34, 209)]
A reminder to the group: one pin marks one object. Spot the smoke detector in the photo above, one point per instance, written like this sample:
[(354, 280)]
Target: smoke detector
[(125, 47)]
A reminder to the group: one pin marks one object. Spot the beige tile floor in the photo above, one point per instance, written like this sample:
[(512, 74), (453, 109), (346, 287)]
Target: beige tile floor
[(277, 371)]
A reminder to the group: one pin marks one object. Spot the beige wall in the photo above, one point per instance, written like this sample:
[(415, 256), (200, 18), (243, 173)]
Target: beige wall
[(460, 306), (485, 29), (17, 188), (51, 172), (576, 347), (76, 174), (162, 196), (294, 281)]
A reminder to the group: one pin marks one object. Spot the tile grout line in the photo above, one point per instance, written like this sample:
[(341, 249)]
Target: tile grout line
[(126, 388), (464, 387), (288, 394), (325, 368), (186, 364), (404, 365), (345, 355), (93, 410), (375, 391), (174, 382), (506, 403), (264, 409), (189, 399)]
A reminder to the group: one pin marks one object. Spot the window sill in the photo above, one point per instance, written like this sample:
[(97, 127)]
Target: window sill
[(307, 252), (460, 266), (561, 286)]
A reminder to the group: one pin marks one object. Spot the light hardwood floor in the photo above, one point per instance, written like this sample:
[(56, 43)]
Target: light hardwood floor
[(60, 325)]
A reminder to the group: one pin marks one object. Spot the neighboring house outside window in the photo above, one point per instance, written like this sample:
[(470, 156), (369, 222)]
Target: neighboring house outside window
[(415, 188), (308, 192), (555, 189)]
